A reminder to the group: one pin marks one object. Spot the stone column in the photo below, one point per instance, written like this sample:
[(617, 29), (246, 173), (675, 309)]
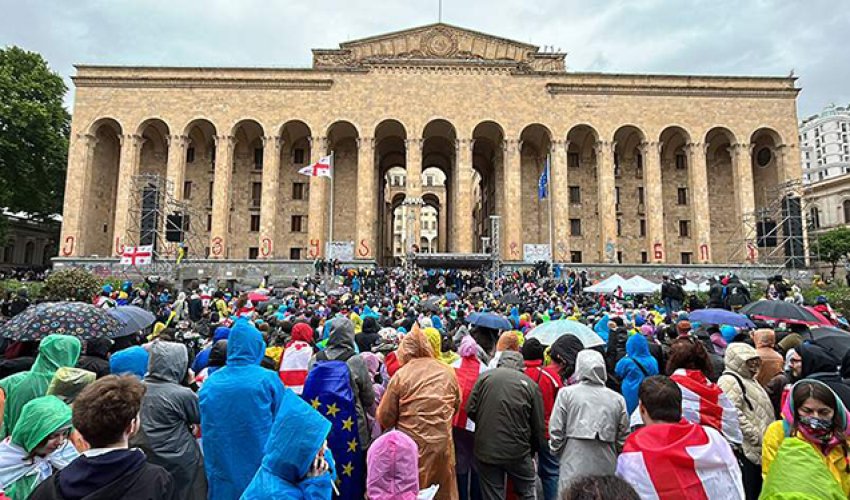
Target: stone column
[(701, 218), (606, 211), (131, 146), (462, 213), (222, 189), (367, 216), (413, 189), (512, 215), (745, 197), (654, 201), (559, 190), (77, 183), (317, 228), (272, 146), (176, 166)]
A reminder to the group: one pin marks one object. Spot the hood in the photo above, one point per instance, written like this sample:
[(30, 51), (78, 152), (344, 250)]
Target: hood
[(245, 346), (218, 354), (290, 449), (590, 367), (341, 334), (508, 341), (132, 360), (764, 337), (392, 463), (370, 325), (788, 409), (68, 382), (566, 349), (98, 347), (56, 351), (168, 362), (637, 346), (221, 333), (435, 340), (736, 357), (414, 345), (511, 359), (302, 332), (816, 359), (40, 418)]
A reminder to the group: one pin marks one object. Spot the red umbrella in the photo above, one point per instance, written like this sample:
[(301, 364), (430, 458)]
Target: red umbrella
[(257, 297), (823, 319)]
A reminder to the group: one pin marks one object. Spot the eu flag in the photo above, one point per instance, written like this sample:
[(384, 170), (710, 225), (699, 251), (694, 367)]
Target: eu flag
[(543, 184)]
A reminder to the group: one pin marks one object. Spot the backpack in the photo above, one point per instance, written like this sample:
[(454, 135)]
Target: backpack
[(329, 390)]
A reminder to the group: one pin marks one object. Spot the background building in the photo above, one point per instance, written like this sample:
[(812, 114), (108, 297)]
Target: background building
[(825, 144)]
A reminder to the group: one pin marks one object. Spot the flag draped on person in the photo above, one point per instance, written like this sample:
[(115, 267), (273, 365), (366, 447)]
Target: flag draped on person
[(706, 404), (321, 168), (543, 184)]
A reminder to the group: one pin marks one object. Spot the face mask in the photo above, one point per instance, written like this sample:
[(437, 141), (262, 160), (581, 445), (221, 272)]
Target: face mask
[(817, 427)]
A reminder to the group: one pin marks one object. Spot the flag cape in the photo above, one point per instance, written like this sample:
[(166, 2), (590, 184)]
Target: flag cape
[(293, 365), (467, 371), (705, 403)]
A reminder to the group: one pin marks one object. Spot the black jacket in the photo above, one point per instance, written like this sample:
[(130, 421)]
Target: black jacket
[(509, 405), (715, 295), (736, 294), (819, 364), (615, 349), (120, 474)]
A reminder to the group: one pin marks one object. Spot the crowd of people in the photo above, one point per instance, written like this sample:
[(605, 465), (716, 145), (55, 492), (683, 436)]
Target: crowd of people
[(388, 384)]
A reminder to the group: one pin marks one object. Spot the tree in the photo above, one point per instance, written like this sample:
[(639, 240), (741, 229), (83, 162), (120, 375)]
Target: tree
[(71, 284), (34, 130), (833, 246)]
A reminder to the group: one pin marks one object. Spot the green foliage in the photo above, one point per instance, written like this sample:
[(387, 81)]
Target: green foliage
[(833, 246), (838, 297), (71, 284), (34, 129), (33, 288)]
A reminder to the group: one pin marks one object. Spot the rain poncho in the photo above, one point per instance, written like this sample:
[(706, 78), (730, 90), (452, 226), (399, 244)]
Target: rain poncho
[(289, 453), (203, 357), (238, 407), (799, 473), (68, 382), (436, 341), (391, 465), (40, 417), (132, 360), (636, 366), (421, 400), (54, 352)]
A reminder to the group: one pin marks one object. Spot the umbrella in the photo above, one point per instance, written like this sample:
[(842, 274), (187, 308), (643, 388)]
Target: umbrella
[(256, 297), (821, 318), (779, 310), (720, 317), (134, 319), (432, 304), (291, 289), (549, 331), (834, 340), (337, 292), (511, 298), (476, 289), (78, 319), (489, 320), (451, 296)]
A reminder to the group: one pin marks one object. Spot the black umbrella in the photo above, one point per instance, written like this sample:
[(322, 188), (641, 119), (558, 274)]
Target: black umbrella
[(779, 310), (834, 340), (432, 304), (512, 299)]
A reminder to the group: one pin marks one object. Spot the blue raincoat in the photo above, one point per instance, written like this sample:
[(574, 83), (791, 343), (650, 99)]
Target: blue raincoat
[(637, 352), (239, 403), (289, 453), (202, 360), (132, 360), (601, 327)]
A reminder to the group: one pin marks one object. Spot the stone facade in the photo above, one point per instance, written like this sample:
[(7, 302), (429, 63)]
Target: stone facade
[(488, 112)]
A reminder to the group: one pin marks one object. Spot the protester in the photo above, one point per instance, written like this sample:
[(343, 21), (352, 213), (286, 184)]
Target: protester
[(509, 405), (771, 361), (819, 364), (600, 488), (632, 369), (96, 357), (132, 360), (217, 359), (296, 357), (564, 352), (421, 400), (588, 421), (467, 370), (392, 463)]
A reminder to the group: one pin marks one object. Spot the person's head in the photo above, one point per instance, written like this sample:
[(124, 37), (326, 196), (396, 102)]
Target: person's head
[(533, 350), (106, 413), (68, 382), (689, 353), (660, 400), (43, 426), (794, 363), (599, 488)]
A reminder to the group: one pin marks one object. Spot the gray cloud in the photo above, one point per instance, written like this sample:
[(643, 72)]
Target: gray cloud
[(729, 37)]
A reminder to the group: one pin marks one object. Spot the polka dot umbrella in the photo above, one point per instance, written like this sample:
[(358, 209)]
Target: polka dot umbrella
[(77, 319)]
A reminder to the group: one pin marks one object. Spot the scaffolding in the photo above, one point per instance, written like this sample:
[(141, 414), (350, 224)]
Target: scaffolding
[(774, 235)]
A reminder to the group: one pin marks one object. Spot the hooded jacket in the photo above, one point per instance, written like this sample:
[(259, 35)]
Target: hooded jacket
[(368, 336), (289, 453), (636, 366), (54, 352), (95, 360), (132, 360), (168, 409), (819, 364), (203, 357), (238, 407), (391, 465), (509, 405), (755, 411), (771, 361)]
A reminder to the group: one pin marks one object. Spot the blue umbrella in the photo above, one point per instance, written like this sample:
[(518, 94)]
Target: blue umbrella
[(489, 320), (451, 296), (548, 332), (133, 319), (720, 317)]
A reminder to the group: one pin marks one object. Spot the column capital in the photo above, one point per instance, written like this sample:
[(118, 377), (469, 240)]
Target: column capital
[(604, 147), (274, 141), (512, 145), (556, 145), (415, 142), (177, 140), (741, 148), (694, 148), (131, 140), (318, 141), (465, 144), (224, 140), (650, 147), (88, 140), (365, 142)]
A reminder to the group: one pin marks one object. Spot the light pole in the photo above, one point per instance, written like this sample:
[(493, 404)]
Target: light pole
[(410, 205)]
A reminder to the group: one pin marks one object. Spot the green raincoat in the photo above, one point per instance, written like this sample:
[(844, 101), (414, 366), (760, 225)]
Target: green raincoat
[(798, 473), (54, 352)]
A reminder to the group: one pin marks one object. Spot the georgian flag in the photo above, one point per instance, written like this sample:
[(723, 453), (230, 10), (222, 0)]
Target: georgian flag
[(137, 256), (293, 365), (467, 371), (321, 168), (680, 461)]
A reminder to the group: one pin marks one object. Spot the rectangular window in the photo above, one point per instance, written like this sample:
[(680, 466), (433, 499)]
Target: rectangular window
[(617, 195), (255, 223), (298, 156), (681, 161), (682, 196), (253, 253), (684, 228), (640, 194), (619, 227), (209, 222), (620, 257), (575, 227), (575, 194), (643, 227), (575, 257), (686, 257), (573, 160), (258, 158), (190, 154), (187, 190), (644, 258), (295, 253), (297, 223), (297, 190), (256, 194)]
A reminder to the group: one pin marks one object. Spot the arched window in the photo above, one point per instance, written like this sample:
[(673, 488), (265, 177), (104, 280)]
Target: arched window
[(29, 253), (814, 216), (847, 211)]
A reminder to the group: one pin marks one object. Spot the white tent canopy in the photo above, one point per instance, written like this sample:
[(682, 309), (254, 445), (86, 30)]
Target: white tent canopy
[(639, 284), (608, 285)]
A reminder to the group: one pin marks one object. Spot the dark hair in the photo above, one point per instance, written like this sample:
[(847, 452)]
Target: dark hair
[(599, 488), (806, 389), (661, 398), (105, 408), (689, 353)]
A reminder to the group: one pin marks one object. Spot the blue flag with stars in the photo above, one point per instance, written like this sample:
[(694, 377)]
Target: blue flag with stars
[(543, 184), (328, 389)]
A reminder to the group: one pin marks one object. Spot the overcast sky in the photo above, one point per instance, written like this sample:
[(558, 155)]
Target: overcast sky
[(726, 37)]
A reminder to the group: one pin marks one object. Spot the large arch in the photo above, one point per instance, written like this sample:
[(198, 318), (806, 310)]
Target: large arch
[(390, 153), (629, 183), (439, 150), (536, 140), (343, 143), (677, 193), (488, 161), (246, 190), (102, 189), (765, 165), (293, 205), (724, 216), (198, 181), (581, 175)]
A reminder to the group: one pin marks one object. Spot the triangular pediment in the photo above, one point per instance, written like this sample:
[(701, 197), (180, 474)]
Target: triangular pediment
[(435, 44)]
